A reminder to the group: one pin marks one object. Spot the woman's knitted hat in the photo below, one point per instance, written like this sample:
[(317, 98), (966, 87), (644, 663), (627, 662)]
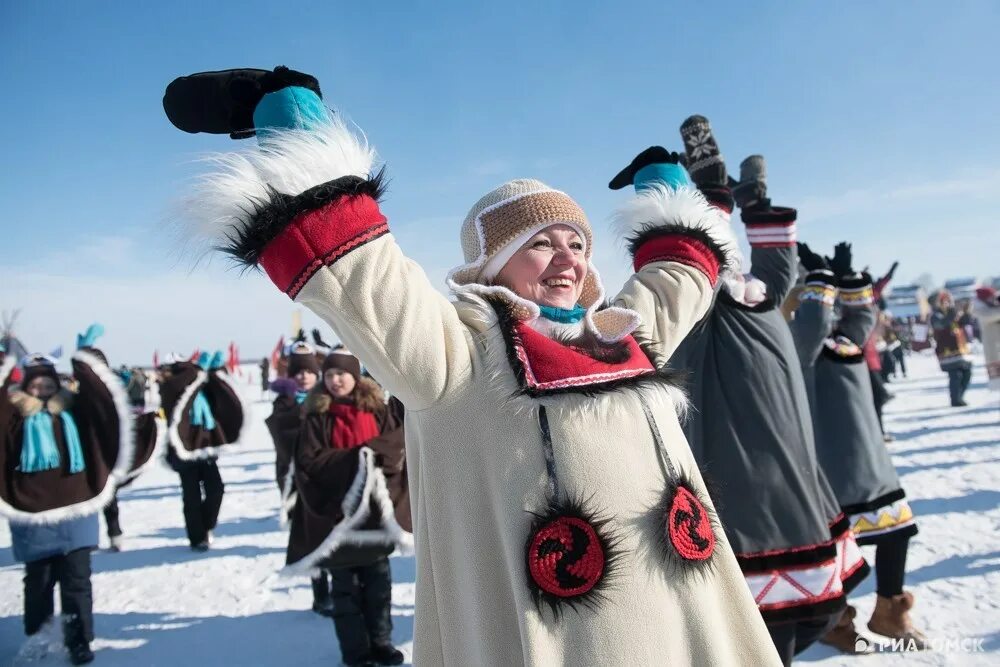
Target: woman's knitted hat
[(505, 218)]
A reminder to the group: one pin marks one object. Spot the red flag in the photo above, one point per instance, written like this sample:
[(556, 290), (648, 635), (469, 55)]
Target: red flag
[(195, 355), (233, 362), (276, 354)]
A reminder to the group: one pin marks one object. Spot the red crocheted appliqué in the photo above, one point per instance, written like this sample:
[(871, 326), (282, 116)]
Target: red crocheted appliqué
[(689, 527), (565, 557)]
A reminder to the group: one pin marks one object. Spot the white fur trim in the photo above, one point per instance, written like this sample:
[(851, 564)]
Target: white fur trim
[(288, 497), (660, 205), (6, 368), (369, 483), (155, 455), (177, 444), (289, 162), (118, 474)]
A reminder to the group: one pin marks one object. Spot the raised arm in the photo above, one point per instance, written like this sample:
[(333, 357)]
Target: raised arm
[(813, 319), (771, 230), (305, 208), (679, 242)]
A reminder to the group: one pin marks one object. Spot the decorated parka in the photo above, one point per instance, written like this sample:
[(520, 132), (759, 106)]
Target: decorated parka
[(848, 438), (93, 438), (204, 409), (351, 500), (558, 514)]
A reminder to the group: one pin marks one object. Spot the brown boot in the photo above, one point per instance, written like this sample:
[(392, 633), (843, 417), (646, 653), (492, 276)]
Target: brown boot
[(891, 618), (844, 636)]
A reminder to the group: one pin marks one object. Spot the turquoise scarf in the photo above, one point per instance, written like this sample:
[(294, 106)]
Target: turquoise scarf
[(563, 315), (201, 412), (38, 445)]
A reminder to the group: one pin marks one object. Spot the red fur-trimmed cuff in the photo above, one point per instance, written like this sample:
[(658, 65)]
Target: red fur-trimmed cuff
[(679, 247), (771, 227), (320, 237)]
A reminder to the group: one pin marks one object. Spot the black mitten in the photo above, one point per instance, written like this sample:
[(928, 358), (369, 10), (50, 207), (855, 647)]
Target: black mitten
[(223, 102), (703, 159), (752, 187), (842, 259), (810, 260)]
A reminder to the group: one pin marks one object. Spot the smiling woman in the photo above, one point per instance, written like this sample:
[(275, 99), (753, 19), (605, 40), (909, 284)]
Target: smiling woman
[(559, 516)]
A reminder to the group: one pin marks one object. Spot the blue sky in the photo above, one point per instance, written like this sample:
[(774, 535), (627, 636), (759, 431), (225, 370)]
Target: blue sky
[(878, 121)]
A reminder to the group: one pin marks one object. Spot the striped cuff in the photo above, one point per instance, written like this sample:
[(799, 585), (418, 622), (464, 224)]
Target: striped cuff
[(773, 227), (820, 286), (679, 247), (856, 291)]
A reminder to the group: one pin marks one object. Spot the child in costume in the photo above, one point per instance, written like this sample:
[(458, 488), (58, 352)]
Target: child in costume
[(559, 516), (849, 440), (951, 346), (205, 414), (345, 520), (284, 423), (63, 453)]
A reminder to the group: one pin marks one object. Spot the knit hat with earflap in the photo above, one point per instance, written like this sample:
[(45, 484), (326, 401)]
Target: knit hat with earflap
[(506, 218)]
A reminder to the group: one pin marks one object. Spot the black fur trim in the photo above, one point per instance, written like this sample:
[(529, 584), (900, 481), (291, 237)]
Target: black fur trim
[(840, 526), (855, 281), (872, 505), (768, 215), (804, 612), (907, 532), (576, 508), (265, 220), (719, 196), (512, 340), (823, 276), (856, 578), (813, 555), (652, 231), (762, 307)]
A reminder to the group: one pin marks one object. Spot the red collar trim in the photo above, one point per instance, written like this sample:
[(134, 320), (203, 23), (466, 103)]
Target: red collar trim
[(549, 365)]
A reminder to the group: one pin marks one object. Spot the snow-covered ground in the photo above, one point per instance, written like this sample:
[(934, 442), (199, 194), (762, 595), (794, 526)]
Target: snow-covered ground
[(157, 603)]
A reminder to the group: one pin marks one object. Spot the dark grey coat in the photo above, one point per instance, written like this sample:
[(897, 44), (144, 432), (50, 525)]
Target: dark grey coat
[(751, 431), (848, 438)]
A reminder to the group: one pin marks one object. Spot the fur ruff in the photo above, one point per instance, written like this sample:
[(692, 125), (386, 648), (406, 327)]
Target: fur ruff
[(27, 405), (661, 209), (242, 183), (174, 437), (369, 483), (126, 450)]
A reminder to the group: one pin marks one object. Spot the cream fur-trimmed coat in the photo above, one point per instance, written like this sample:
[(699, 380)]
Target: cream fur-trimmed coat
[(474, 448)]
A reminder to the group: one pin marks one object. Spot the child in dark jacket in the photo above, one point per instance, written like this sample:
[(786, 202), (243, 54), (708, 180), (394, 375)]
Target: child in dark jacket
[(63, 453), (351, 509)]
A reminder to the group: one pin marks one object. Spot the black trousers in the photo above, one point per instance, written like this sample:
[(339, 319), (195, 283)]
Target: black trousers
[(201, 513), (792, 638), (890, 565), (321, 588), (111, 518), (72, 572), (361, 608), (899, 354), (959, 378)]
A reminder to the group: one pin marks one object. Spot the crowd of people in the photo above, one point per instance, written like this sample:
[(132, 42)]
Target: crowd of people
[(683, 472)]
